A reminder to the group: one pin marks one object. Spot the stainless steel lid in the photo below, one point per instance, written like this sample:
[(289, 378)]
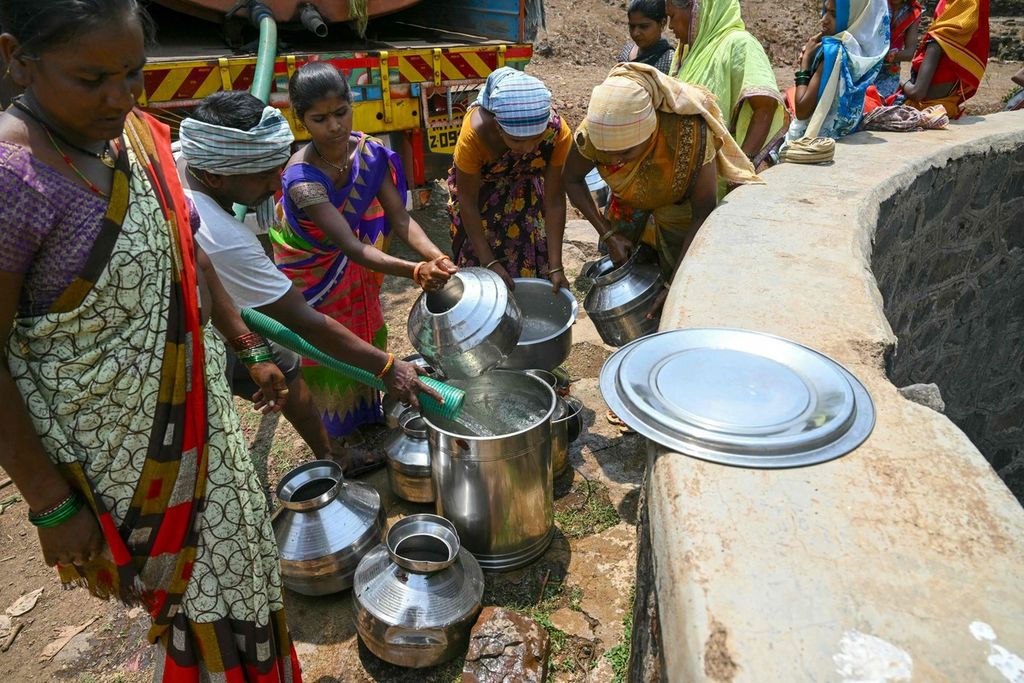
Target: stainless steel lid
[(738, 397)]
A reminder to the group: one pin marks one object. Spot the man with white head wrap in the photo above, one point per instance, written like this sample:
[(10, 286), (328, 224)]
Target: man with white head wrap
[(232, 151)]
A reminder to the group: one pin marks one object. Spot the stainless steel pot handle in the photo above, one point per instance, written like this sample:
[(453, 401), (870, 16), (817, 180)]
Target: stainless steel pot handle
[(401, 636)]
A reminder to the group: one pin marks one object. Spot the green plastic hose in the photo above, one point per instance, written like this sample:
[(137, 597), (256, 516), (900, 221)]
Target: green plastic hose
[(271, 329), (263, 76)]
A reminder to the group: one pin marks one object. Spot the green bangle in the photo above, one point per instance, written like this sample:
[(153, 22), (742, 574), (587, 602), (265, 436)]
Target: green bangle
[(253, 360), (58, 514)]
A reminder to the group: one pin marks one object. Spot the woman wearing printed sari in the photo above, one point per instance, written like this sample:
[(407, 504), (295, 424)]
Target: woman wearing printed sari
[(344, 195), (507, 204), (119, 429), (951, 60), (661, 145), (837, 66), (716, 51)]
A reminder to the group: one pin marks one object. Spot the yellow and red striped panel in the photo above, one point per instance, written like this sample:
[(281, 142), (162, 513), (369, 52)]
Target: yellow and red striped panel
[(170, 81)]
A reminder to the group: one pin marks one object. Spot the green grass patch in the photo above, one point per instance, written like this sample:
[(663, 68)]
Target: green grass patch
[(618, 654), (585, 510)]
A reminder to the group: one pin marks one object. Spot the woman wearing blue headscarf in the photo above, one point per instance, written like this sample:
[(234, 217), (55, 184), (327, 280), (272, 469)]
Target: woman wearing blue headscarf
[(507, 203), (836, 67)]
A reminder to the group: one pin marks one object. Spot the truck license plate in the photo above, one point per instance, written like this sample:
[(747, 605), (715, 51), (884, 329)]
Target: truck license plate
[(442, 140)]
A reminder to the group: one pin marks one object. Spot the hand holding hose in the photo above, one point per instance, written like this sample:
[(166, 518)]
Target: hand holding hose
[(402, 382)]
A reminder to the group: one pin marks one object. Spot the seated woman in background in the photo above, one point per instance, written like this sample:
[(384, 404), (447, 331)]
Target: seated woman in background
[(951, 61), (837, 65), (716, 51), (344, 195), (904, 34), (661, 146), (507, 203), (647, 20)]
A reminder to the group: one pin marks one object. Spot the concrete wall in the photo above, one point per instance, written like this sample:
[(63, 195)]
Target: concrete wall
[(901, 561), (949, 259)]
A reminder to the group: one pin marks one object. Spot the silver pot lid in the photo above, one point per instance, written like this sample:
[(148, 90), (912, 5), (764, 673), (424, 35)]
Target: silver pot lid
[(738, 397)]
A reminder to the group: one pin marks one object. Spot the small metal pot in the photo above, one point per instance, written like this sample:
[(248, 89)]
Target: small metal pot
[(573, 418), (409, 459), (620, 297), (417, 595), (468, 326), (324, 526), (548, 317)]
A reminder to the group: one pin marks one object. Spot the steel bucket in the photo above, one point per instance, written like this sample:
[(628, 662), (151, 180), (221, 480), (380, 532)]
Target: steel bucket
[(492, 468), (548, 317)]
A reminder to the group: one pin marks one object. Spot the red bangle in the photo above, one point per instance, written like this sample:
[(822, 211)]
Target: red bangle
[(249, 340)]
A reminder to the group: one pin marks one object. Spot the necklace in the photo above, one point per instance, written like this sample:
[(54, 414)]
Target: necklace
[(106, 157), (71, 165), (338, 167)]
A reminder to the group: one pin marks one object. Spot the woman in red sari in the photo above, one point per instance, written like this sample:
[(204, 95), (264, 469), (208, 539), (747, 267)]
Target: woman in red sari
[(951, 60), (119, 430)]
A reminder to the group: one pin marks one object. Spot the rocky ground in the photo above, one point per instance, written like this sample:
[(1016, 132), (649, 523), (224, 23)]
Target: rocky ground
[(581, 589)]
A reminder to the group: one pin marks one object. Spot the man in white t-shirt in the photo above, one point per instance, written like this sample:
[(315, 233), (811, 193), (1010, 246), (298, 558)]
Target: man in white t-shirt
[(233, 150)]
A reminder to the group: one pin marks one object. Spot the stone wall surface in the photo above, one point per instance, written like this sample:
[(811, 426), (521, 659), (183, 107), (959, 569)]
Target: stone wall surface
[(949, 259), (900, 561)]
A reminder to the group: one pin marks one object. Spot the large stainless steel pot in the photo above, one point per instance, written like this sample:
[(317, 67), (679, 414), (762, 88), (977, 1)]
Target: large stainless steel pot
[(409, 459), (620, 298), (417, 595), (468, 326), (492, 468), (324, 526), (548, 318)]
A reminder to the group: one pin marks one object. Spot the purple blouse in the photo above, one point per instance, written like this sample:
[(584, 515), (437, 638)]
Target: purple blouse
[(48, 224)]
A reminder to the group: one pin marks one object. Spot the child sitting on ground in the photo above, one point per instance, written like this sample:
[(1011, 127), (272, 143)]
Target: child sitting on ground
[(904, 35)]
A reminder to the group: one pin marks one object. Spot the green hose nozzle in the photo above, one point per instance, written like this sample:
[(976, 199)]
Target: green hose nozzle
[(271, 329)]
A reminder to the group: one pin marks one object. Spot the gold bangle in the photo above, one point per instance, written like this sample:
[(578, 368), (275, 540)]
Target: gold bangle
[(559, 269), (488, 266), (610, 233), (387, 366)]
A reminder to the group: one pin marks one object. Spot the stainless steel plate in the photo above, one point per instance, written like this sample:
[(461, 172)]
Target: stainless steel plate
[(738, 397)]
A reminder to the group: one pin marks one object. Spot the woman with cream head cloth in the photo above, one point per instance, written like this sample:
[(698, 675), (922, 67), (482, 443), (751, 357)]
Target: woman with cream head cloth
[(661, 145)]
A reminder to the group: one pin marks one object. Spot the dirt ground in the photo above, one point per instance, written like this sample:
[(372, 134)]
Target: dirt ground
[(580, 590)]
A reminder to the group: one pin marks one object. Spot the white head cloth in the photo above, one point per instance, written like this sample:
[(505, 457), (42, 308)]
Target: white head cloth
[(229, 151)]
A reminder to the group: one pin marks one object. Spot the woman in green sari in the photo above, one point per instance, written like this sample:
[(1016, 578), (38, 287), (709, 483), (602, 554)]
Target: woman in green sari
[(716, 51)]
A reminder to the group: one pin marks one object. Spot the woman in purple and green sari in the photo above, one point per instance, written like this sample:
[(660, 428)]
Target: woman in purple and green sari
[(344, 196)]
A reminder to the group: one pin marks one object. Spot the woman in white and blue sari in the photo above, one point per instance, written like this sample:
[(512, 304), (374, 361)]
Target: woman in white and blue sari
[(837, 65)]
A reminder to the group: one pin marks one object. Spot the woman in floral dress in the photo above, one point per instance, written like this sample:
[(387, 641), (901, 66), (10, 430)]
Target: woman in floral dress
[(507, 203)]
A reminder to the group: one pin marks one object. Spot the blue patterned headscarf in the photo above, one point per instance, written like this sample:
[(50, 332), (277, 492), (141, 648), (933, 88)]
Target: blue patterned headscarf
[(520, 103)]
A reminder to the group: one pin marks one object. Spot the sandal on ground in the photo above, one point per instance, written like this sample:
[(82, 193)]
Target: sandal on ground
[(616, 421), (358, 460)]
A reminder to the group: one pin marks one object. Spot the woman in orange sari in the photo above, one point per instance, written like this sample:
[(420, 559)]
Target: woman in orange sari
[(951, 60)]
